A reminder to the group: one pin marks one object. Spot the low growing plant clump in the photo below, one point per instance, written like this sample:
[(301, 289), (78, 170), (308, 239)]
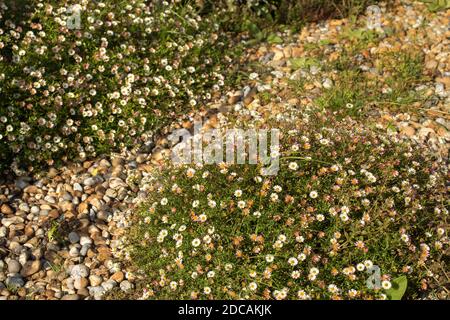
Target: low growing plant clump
[(74, 91), (346, 199)]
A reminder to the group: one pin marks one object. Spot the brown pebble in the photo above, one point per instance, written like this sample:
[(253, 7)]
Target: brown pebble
[(118, 276), (6, 209)]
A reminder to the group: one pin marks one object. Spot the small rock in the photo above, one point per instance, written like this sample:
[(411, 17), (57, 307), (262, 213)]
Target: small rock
[(141, 158), (77, 187), (118, 276), (73, 237), (431, 64), (408, 131), (24, 207), (250, 96), (34, 210), (79, 271), (80, 283), (52, 172), (84, 249), (83, 292), (30, 267), (109, 285), (31, 189), (93, 180), (83, 207), (445, 81), (116, 183), (6, 209), (15, 282), (14, 266), (84, 240), (74, 252), (71, 297), (95, 280), (111, 193), (97, 291), (126, 286), (13, 220), (327, 84), (279, 54)]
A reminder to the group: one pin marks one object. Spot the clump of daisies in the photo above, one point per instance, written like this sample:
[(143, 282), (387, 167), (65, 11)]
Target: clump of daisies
[(74, 88), (346, 200)]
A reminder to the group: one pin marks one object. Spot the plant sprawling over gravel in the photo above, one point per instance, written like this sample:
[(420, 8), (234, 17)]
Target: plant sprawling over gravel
[(345, 198), (75, 93)]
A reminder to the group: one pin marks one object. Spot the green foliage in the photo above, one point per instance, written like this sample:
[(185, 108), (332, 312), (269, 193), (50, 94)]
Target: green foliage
[(342, 201), (53, 233), (303, 62), (392, 82), (398, 288), (437, 5), (274, 39), (129, 69)]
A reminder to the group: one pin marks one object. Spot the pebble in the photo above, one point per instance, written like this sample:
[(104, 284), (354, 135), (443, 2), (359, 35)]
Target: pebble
[(84, 249), (109, 284), (14, 266), (74, 252), (34, 210), (116, 183), (73, 237), (30, 268), (15, 282), (97, 292), (6, 209), (80, 283), (79, 271), (71, 297), (126, 286), (95, 280), (118, 276), (327, 83)]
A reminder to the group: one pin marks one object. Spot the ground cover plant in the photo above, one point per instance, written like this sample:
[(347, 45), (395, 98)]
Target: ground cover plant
[(345, 199), (391, 79), (76, 93)]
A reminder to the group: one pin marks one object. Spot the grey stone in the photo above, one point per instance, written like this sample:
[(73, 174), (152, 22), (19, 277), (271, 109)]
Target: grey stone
[(15, 282), (14, 266), (84, 249), (109, 284), (34, 210), (79, 271), (73, 237), (126, 286), (116, 183), (92, 181), (97, 291)]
